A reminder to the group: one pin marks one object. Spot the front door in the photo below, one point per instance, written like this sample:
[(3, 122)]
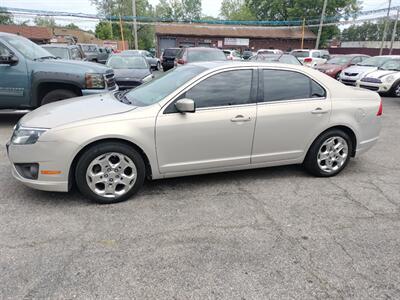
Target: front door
[(14, 82), (293, 109), (219, 134)]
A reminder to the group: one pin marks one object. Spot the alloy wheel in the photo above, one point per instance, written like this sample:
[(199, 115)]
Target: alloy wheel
[(333, 154), (397, 90), (111, 175)]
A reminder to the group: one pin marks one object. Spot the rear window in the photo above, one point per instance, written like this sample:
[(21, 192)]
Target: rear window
[(301, 53), (205, 55), (171, 52), (89, 48)]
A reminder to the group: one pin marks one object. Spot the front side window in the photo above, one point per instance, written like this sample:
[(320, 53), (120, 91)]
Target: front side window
[(4, 51), (76, 54), (282, 85), (227, 88)]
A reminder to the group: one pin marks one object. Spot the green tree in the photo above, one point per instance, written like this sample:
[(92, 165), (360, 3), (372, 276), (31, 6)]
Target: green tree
[(72, 26), (179, 10), (5, 17), (368, 31), (103, 31), (45, 22), (116, 8), (236, 10), (299, 9)]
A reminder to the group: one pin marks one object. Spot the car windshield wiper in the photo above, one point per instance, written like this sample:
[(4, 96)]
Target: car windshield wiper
[(45, 57), (121, 96)]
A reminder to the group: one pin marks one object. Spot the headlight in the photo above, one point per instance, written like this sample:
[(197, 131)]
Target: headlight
[(389, 79), (26, 136), (147, 78), (94, 81)]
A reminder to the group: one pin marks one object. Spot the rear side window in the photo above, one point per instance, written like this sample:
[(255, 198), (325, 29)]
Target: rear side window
[(280, 85), (227, 88)]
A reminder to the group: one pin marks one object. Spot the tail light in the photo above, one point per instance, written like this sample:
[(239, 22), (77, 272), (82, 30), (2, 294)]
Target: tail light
[(181, 61), (380, 110), (308, 60)]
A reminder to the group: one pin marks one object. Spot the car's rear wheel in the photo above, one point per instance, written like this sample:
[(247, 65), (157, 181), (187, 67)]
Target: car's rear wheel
[(329, 154), (110, 172), (158, 67), (337, 77), (57, 95)]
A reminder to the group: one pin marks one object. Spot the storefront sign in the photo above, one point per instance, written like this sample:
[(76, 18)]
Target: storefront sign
[(236, 42)]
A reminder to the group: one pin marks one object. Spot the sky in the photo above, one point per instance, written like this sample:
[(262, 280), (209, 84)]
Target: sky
[(210, 7)]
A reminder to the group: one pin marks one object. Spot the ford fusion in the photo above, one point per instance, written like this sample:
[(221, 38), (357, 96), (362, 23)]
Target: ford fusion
[(198, 119)]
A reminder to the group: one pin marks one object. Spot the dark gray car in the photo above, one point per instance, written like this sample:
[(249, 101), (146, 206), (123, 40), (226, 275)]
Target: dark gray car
[(94, 53), (69, 52), (130, 70), (153, 61)]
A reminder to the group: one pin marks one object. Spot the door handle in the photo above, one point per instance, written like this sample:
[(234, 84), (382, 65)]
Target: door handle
[(240, 118), (319, 111)]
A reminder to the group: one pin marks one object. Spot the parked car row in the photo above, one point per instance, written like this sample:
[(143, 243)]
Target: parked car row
[(379, 73)]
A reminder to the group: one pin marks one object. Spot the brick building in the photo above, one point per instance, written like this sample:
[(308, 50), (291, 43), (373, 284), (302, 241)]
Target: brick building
[(39, 35), (231, 37)]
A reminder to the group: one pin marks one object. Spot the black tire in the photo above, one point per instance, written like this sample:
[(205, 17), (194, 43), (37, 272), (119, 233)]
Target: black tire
[(57, 95), (92, 153), (311, 161), (394, 91), (337, 77), (158, 67)]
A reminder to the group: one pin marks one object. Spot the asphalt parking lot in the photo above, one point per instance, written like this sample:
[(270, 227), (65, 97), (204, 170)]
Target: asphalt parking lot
[(272, 233)]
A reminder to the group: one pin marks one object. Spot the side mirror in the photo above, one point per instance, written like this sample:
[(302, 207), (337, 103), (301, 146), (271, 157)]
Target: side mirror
[(185, 105), (8, 60)]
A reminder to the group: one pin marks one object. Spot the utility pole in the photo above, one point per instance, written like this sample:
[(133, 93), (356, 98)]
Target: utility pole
[(321, 23), (386, 28), (302, 34), (394, 31), (134, 23)]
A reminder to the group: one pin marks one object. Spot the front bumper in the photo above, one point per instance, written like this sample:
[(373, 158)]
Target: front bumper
[(51, 156), (376, 87)]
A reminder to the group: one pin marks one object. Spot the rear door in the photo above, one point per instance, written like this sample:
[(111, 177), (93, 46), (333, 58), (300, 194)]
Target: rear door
[(291, 111), (14, 81), (219, 134)]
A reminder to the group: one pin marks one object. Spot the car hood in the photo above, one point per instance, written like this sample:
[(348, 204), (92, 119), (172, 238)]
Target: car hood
[(74, 66), (329, 67), (381, 73), (131, 73), (74, 110), (359, 69)]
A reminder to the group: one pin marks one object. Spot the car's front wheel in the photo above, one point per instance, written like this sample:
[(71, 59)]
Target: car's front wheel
[(395, 91), (110, 172), (329, 154), (158, 67)]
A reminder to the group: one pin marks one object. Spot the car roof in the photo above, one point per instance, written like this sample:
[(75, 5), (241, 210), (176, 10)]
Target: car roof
[(130, 54), (58, 46), (202, 49)]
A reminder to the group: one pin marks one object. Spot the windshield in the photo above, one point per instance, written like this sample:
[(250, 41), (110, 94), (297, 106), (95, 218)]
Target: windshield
[(205, 55), (300, 53), (171, 52), (127, 62), (28, 49), (340, 60), (89, 48), (391, 65), (58, 52), (376, 61), (158, 89)]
